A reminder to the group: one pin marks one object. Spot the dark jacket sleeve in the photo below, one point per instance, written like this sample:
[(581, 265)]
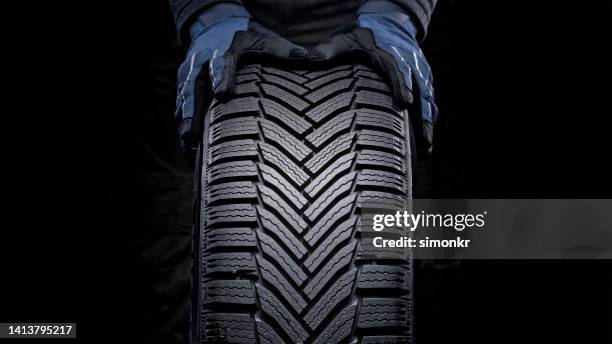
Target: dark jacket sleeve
[(185, 12), (421, 10)]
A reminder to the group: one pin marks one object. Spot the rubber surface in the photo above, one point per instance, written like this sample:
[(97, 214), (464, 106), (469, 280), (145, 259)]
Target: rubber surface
[(288, 164)]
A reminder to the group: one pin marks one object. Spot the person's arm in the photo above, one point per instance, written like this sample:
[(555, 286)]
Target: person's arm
[(421, 11), (218, 38), (388, 35), (186, 12)]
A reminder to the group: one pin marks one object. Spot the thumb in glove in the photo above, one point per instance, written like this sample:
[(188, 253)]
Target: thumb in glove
[(258, 41)]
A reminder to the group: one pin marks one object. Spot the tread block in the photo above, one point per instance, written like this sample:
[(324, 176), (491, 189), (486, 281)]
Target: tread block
[(271, 275), (275, 157), (232, 171), (254, 68), (380, 120), (340, 145), (236, 127), (342, 209), (313, 75), (284, 96), (276, 310), (330, 106), (267, 335), (373, 83), (375, 98), (286, 116), (341, 259), (235, 263), (369, 74), (384, 277), (379, 139), (375, 159), (340, 166), (232, 150), (329, 90), (238, 292), (234, 106), (275, 252), (246, 88), (382, 200), (330, 129), (341, 234), (293, 86), (229, 237), (233, 213), (271, 176), (382, 179), (284, 235), (340, 187), (317, 82), (384, 312), (387, 340), (246, 78), (228, 328), (339, 328), (285, 74), (337, 292), (228, 191), (271, 199), (292, 145)]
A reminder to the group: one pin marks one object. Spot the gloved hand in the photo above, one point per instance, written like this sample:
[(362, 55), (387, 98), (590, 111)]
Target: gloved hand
[(386, 35), (220, 37)]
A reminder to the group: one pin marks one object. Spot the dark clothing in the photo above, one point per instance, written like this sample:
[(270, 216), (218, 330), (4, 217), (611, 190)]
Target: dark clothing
[(305, 22)]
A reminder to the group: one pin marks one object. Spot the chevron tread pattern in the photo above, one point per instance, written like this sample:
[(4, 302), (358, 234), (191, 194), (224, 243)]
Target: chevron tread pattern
[(292, 159)]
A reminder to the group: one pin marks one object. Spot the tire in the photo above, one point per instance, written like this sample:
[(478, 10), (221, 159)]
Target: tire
[(287, 165)]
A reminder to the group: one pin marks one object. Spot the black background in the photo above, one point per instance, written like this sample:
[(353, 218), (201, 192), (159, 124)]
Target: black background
[(523, 90)]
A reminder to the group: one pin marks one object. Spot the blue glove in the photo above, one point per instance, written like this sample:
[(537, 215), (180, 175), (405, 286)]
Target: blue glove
[(211, 36), (220, 37), (386, 34)]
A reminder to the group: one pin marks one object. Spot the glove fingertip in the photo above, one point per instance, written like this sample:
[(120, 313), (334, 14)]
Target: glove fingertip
[(428, 129), (319, 54), (298, 52), (406, 96), (224, 86), (402, 96), (221, 90)]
